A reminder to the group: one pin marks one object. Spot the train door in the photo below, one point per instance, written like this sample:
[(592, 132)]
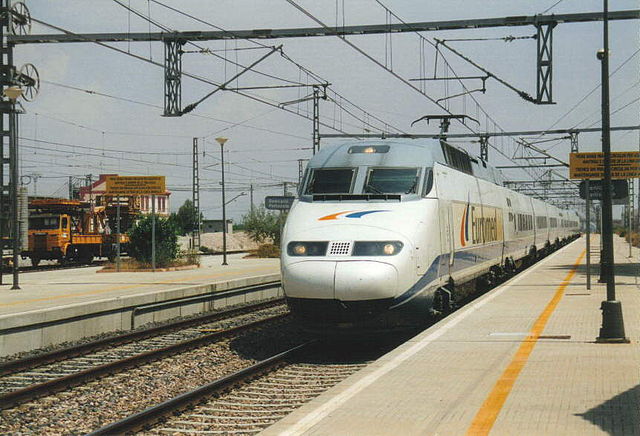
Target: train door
[(446, 239)]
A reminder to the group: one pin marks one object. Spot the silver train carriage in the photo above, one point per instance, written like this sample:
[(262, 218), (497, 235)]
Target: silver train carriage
[(386, 233)]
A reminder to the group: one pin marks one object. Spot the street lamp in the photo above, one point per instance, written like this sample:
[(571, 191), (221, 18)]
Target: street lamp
[(222, 141), (612, 330)]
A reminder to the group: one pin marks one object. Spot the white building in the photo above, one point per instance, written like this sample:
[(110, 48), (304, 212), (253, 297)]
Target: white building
[(95, 194)]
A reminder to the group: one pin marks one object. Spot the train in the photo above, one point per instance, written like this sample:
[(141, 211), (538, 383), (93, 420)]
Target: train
[(389, 234)]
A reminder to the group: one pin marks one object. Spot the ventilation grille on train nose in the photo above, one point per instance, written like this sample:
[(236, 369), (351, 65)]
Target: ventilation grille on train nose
[(340, 248)]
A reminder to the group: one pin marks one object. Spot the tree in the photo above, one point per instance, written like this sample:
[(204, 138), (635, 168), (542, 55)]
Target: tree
[(166, 241), (262, 225), (173, 219), (187, 218)]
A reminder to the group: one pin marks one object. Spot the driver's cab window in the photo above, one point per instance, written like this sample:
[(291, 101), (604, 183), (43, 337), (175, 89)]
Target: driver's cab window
[(392, 181), (330, 181)]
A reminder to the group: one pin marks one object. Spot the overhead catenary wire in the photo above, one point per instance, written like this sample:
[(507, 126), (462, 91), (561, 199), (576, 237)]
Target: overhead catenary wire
[(129, 100), (594, 89), (130, 159), (190, 75), (478, 106), (201, 48), (284, 56)]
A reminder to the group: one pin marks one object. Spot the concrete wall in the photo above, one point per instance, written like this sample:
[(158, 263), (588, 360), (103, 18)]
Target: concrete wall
[(41, 328)]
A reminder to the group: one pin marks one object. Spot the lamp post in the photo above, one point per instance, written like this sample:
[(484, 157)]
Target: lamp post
[(612, 329), (222, 141)]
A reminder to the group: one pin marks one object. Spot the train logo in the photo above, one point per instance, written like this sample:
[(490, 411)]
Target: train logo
[(349, 214), (464, 227), (479, 224)]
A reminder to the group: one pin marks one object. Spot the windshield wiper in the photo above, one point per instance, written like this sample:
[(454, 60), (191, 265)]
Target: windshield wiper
[(369, 188), (412, 189)]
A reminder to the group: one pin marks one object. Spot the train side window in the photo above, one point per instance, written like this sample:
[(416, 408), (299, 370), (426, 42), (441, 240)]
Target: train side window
[(428, 182), (330, 181), (456, 158)]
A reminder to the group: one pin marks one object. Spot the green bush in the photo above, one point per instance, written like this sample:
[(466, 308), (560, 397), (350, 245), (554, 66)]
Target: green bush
[(263, 226), (166, 241)]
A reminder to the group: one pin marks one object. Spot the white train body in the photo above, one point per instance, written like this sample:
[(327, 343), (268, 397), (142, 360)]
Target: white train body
[(380, 227)]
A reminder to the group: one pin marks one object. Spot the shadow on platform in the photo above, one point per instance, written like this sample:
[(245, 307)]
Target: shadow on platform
[(626, 269), (618, 416)]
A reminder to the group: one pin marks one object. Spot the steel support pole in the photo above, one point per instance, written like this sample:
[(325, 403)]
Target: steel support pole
[(544, 81), (15, 177), (118, 235), (153, 233), (224, 211), (630, 216), (588, 219), (612, 329), (484, 148), (195, 234), (316, 119), (173, 77)]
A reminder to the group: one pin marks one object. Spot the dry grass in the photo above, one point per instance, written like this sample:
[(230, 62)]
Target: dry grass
[(635, 239), (185, 259), (265, 251)]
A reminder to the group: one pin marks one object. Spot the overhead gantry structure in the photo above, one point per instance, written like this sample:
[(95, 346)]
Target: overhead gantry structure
[(173, 42)]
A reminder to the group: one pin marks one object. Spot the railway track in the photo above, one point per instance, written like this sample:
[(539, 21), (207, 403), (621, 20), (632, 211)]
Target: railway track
[(249, 400), (29, 378)]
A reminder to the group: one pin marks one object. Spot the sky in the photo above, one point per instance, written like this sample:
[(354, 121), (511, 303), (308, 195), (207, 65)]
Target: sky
[(100, 111)]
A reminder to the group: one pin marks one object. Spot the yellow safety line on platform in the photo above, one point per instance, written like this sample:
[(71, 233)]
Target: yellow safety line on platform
[(485, 418), (118, 288)]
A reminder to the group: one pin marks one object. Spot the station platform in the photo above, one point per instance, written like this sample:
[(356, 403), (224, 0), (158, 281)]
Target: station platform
[(520, 360), (56, 306)]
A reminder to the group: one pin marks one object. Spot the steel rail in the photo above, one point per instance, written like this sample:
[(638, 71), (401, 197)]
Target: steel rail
[(156, 413), (14, 398)]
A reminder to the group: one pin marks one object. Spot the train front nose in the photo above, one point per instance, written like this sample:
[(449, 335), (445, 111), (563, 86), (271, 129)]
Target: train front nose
[(340, 280), (341, 294)]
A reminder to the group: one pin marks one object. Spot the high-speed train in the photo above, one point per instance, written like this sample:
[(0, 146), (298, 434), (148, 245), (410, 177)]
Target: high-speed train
[(386, 234)]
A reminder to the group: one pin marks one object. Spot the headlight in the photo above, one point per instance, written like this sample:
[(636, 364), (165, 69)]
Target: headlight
[(314, 248), (377, 248)]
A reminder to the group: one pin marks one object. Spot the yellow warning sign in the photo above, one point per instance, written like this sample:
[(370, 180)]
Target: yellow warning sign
[(624, 165), (135, 185)]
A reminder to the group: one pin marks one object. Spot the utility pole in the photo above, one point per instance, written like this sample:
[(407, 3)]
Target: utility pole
[(587, 208), (612, 329), (251, 196)]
